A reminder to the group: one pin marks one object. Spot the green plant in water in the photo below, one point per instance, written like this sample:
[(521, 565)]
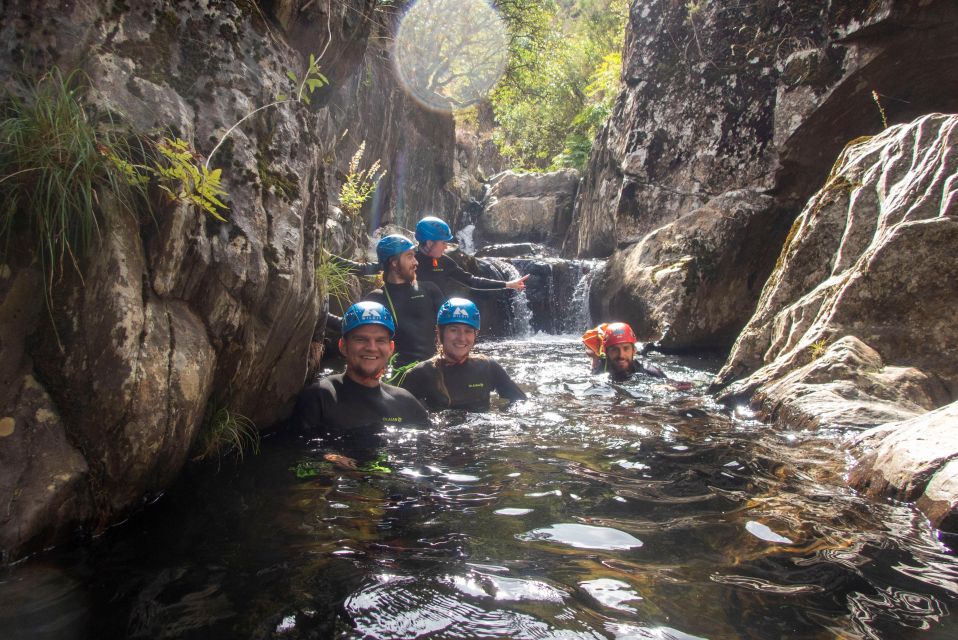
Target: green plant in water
[(360, 184), (818, 348), (224, 432), (57, 159)]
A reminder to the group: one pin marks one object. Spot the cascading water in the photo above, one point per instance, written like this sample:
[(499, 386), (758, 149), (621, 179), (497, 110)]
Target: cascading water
[(520, 322), (465, 238), (579, 318)]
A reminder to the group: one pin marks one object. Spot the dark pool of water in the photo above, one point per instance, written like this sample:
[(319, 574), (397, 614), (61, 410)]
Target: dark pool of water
[(590, 511)]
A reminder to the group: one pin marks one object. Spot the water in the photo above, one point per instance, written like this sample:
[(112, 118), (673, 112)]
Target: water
[(590, 511), (464, 236)]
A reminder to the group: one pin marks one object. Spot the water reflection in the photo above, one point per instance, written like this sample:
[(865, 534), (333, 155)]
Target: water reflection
[(591, 510)]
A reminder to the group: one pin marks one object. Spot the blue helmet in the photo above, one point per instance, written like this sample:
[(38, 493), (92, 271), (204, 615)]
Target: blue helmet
[(458, 311), (368, 312), (392, 245), (432, 228)]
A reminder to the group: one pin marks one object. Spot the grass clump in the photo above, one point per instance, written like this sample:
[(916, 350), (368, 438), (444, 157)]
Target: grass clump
[(333, 277), (226, 432), (56, 159)]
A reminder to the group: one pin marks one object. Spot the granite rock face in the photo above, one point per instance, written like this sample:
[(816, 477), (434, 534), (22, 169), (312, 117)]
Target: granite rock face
[(528, 207), (720, 97), (102, 398), (871, 256), (692, 283), (855, 327)]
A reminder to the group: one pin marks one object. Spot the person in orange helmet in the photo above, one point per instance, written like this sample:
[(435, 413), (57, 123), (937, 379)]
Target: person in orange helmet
[(612, 349)]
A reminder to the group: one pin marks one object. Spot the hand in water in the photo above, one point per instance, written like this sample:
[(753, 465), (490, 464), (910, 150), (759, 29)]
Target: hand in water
[(343, 462), (518, 284)]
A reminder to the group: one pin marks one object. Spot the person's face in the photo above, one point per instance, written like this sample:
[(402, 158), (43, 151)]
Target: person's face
[(405, 265), (620, 356), (435, 248), (457, 340), (366, 349)]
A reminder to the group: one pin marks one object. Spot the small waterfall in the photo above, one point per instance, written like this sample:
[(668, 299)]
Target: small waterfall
[(580, 317), (464, 236), (520, 324)]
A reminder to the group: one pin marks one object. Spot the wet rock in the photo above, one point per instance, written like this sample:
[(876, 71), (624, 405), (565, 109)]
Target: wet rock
[(532, 207), (174, 309), (915, 459), (872, 257), (693, 283), (510, 250), (847, 385)]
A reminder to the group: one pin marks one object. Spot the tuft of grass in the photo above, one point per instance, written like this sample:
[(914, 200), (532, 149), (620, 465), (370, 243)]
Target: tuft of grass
[(333, 277), (57, 158), (225, 432), (818, 348)]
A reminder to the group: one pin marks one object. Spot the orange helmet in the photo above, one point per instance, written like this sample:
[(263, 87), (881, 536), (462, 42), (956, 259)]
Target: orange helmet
[(607, 335), (618, 333)]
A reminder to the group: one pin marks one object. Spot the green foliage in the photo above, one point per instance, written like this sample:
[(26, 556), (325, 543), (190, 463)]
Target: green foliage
[(561, 82), (305, 469), (818, 348), (57, 159), (359, 184), (184, 179), (333, 278), (225, 432)]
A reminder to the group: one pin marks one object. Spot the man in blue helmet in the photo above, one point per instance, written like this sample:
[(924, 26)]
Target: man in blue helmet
[(455, 378), (435, 266), (413, 304), (356, 403)]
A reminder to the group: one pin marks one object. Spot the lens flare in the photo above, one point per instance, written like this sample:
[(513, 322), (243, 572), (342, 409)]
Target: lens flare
[(449, 53)]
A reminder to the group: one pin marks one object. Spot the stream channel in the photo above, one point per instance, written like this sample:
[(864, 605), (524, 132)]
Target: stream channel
[(592, 510)]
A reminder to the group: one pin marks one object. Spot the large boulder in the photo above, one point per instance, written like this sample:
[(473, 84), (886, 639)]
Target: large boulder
[(104, 393), (693, 283), (855, 327), (915, 459), (528, 207), (871, 256)]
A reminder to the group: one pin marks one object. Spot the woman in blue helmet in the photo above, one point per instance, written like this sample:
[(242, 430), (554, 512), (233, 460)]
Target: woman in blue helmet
[(434, 266), (455, 378)]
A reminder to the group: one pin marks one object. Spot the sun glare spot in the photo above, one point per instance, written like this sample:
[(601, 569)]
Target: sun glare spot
[(449, 53)]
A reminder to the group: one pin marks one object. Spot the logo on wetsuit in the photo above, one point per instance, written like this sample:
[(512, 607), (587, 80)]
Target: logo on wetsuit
[(396, 419), (421, 295), (477, 385)]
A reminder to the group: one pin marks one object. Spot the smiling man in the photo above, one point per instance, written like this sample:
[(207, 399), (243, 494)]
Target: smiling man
[(341, 404), (612, 348), (412, 304)]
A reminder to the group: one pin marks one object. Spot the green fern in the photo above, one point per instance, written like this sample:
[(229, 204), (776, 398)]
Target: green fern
[(184, 179)]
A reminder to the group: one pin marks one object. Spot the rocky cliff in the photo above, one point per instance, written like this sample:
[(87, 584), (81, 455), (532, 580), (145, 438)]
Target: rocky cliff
[(178, 313), (755, 99)]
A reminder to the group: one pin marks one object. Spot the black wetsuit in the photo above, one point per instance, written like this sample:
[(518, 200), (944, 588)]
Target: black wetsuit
[(414, 308), (461, 386), (338, 407), (635, 367), (442, 270)]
